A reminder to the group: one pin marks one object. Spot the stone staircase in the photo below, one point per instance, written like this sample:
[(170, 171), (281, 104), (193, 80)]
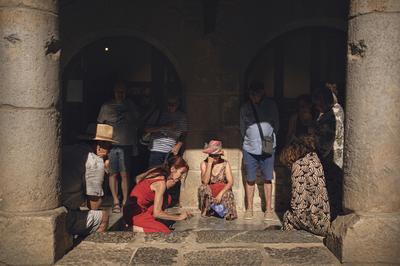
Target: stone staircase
[(204, 241)]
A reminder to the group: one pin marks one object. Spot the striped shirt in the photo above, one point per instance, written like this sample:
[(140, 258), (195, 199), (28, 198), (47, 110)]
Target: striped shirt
[(165, 140)]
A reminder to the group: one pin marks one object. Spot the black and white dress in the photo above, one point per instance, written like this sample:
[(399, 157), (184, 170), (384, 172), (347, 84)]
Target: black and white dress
[(310, 209)]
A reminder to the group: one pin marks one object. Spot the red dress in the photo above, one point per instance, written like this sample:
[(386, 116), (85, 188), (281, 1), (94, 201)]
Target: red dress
[(140, 210)]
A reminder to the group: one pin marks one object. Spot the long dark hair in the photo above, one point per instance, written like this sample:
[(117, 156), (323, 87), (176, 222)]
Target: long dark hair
[(164, 169), (297, 149)]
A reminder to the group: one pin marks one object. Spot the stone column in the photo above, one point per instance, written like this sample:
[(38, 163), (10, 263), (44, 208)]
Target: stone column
[(32, 223), (370, 230)]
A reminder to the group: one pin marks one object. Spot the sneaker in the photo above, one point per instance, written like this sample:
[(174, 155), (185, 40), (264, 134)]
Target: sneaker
[(269, 216), (248, 215)]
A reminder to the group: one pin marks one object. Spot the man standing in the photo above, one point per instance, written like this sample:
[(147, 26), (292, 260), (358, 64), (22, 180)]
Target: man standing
[(121, 114), (253, 156), (168, 132), (82, 180)]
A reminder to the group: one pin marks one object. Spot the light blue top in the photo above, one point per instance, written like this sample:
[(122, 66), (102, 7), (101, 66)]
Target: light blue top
[(269, 121)]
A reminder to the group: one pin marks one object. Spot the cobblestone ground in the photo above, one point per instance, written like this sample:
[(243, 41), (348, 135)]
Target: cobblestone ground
[(204, 241)]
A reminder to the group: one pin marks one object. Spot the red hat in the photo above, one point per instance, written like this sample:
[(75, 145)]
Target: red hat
[(213, 147)]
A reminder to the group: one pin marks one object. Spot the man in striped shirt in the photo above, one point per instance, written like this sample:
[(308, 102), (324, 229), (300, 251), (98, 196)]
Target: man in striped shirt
[(168, 130)]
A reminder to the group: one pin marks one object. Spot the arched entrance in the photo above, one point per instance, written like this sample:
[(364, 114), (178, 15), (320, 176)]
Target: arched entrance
[(88, 77), (291, 64), (297, 62)]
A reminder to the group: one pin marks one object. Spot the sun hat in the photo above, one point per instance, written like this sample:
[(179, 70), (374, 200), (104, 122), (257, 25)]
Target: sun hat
[(213, 147), (101, 132)]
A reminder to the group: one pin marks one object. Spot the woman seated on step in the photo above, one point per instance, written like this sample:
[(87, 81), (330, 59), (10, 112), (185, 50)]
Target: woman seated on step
[(215, 194), (148, 199), (310, 209)]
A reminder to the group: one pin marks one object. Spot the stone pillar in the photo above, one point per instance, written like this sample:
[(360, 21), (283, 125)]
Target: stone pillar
[(370, 231), (32, 223)]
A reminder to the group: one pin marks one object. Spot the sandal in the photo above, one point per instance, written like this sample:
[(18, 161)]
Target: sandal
[(116, 208)]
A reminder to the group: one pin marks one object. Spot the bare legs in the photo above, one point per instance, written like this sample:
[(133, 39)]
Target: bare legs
[(267, 193), (113, 182), (250, 195)]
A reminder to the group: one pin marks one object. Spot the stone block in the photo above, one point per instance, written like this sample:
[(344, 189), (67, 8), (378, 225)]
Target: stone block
[(89, 253), (155, 256), (194, 157), (30, 57), (256, 236), (230, 111), (300, 256), (29, 159), (359, 7), (203, 112), (33, 238), (364, 239), (224, 257), (45, 5), (188, 197), (111, 237)]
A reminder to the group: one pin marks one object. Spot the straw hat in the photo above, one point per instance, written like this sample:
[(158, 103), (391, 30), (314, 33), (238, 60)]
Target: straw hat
[(213, 147), (101, 132)]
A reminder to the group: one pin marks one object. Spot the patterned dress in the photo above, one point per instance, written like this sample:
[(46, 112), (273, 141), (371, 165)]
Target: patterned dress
[(310, 209), (206, 195)]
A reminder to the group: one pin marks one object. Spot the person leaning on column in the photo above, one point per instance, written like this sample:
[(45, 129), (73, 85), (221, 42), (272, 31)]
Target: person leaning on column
[(82, 180)]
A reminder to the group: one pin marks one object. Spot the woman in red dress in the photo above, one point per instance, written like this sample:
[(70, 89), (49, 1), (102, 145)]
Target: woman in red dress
[(148, 199)]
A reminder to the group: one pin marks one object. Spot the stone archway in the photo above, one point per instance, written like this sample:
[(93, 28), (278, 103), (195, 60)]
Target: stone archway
[(74, 46)]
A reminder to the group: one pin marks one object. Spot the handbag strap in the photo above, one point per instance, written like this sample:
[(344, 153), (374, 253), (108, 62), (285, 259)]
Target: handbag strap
[(257, 120)]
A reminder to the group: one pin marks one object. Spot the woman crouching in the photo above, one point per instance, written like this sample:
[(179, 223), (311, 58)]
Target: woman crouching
[(310, 209), (148, 199), (217, 182)]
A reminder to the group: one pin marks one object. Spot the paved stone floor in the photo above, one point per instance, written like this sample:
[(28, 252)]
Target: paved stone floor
[(204, 241)]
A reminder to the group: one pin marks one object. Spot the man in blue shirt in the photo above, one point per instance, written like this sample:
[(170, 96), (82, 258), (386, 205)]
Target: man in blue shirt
[(253, 156)]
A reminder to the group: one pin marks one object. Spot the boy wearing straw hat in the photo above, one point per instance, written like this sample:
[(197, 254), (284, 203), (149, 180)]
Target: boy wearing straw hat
[(82, 180)]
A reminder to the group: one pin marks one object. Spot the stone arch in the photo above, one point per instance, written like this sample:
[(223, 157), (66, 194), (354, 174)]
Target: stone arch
[(337, 24), (75, 46)]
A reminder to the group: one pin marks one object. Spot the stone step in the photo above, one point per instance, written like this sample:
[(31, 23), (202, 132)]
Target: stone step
[(208, 247)]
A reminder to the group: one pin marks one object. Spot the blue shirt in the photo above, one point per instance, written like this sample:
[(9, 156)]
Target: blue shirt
[(269, 121)]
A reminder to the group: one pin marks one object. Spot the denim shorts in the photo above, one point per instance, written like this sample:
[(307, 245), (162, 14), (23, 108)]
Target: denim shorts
[(265, 163), (119, 157)]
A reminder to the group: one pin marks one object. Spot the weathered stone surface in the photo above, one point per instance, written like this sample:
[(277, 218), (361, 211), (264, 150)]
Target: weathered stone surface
[(33, 238), (111, 237), (44, 5), (360, 7), (366, 239), (153, 256), (269, 236), (224, 257), (300, 256), (205, 110), (30, 159), (189, 189), (371, 168), (174, 237), (88, 253), (30, 52)]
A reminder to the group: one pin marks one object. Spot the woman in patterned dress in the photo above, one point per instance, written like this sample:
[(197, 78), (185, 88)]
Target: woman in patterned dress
[(217, 182), (310, 209)]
